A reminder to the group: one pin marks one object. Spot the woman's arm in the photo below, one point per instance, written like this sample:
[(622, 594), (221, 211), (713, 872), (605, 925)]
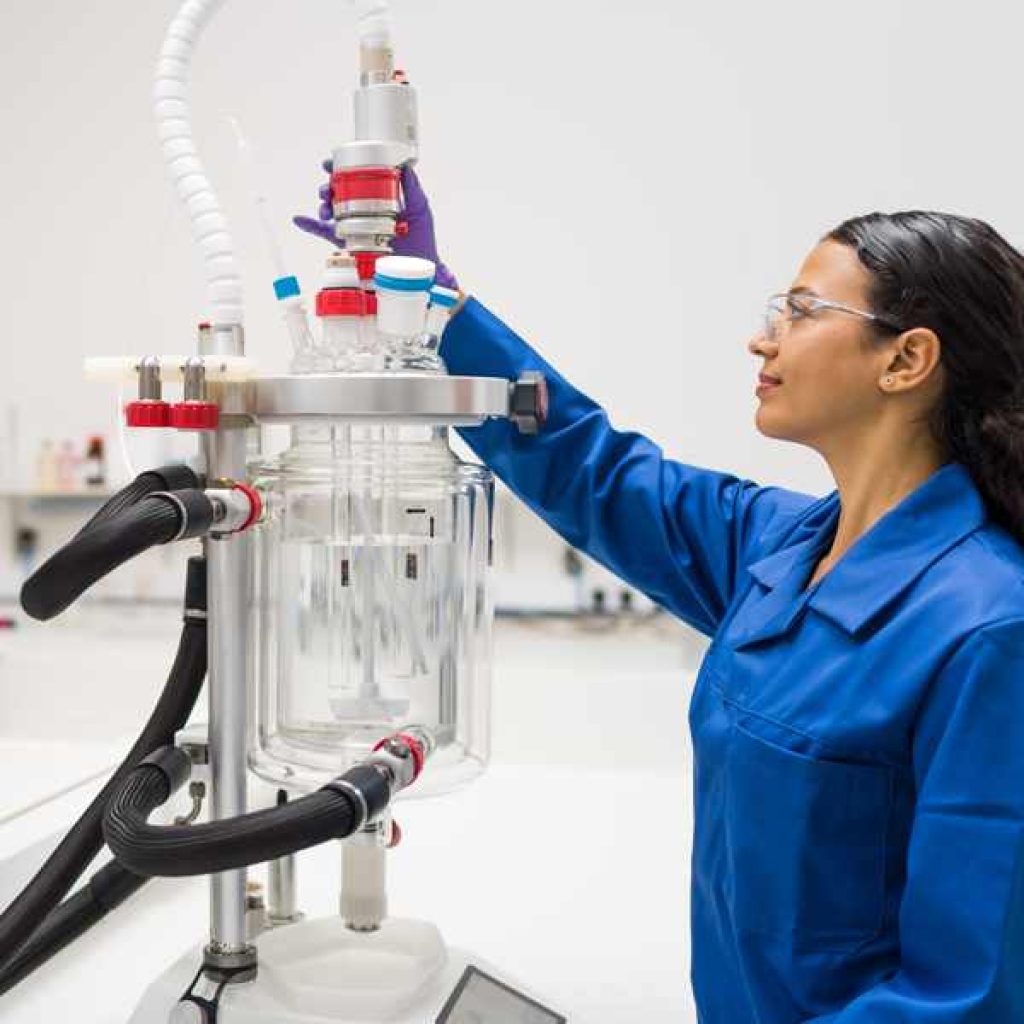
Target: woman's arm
[(962, 915), (678, 533)]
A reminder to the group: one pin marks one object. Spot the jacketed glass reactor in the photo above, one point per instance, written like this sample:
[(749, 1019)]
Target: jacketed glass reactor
[(340, 613), (371, 602)]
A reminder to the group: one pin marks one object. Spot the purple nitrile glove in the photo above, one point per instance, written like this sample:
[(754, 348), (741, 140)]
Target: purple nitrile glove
[(419, 240)]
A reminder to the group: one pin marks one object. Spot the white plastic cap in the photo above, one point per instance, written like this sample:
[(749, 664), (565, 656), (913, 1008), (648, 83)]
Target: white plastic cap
[(406, 268), (340, 272)]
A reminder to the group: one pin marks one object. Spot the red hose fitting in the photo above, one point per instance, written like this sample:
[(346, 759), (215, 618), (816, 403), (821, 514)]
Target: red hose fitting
[(419, 755), (255, 505)]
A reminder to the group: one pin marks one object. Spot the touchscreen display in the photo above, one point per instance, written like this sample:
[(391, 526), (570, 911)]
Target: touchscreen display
[(480, 999)]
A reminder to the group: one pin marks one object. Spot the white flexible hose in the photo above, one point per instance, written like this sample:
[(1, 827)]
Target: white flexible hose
[(174, 124)]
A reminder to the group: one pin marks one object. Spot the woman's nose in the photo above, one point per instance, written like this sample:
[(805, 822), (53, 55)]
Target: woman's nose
[(759, 345)]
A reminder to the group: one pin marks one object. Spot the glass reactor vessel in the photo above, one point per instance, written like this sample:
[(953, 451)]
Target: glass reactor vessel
[(371, 603)]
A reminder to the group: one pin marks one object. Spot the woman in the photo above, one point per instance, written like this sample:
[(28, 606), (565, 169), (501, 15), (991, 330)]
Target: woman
[(858, 721)]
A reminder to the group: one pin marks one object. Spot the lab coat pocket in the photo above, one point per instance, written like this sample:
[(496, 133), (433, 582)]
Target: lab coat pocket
[(807, 838)]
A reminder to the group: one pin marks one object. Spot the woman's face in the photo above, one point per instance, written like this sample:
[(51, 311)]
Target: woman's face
[(819, 383)]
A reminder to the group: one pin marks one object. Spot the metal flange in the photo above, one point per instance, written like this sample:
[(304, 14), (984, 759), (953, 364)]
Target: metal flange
[(399, 398)]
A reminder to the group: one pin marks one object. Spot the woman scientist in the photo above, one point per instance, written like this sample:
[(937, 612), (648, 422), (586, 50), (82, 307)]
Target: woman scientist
[(858, 721)]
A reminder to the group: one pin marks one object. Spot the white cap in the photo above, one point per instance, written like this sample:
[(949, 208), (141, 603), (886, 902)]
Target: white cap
[(340, 272), (405, 268)]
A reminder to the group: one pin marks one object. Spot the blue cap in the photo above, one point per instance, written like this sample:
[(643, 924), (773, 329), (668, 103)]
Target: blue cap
[(287, 288), (444, 297)]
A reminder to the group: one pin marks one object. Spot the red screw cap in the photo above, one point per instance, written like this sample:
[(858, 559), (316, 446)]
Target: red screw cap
[(147, 413), (340, 302), (195, 416)]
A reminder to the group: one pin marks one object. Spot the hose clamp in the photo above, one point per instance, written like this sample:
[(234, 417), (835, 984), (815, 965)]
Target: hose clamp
[(344, 786), (182, 511)]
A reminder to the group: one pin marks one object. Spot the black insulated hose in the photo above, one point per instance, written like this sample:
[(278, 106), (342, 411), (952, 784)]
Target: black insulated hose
[(77, 849), (334, 812), (176, 477), (105, 891), (89, 556)]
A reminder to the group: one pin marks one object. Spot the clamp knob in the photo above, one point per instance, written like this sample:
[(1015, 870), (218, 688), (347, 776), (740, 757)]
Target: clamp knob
[(195, 416), (147, 413), (528, 402)]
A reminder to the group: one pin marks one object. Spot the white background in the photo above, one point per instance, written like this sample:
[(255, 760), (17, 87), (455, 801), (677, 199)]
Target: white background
[(623, 182)]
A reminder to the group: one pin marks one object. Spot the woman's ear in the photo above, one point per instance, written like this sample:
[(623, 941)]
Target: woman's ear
[(914, 360)]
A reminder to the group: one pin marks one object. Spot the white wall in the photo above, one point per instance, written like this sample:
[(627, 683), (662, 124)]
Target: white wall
[(622, 182)]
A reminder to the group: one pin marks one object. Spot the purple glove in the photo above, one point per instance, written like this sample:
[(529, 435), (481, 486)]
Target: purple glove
[(418, 241)]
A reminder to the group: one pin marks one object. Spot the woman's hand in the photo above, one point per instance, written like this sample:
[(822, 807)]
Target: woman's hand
[(417, 240)]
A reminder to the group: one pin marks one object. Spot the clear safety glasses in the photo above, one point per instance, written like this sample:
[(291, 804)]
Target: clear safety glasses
[(786, 308)]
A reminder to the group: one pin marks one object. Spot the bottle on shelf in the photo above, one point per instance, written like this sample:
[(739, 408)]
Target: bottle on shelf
[(46, 467), (67, 464), (94, 467)]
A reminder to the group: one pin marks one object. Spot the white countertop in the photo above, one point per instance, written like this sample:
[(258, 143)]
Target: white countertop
[(566, 865), (573, 881)]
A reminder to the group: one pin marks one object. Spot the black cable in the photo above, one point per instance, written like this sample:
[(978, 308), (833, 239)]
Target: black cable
[(106, 890), (90, 555), (333, 812), (83, 841)]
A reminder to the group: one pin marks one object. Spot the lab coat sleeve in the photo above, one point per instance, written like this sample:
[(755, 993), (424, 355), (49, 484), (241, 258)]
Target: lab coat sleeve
[(677, 533), (962, 913)]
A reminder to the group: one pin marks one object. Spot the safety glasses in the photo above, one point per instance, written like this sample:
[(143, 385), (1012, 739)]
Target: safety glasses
[(786, 308)]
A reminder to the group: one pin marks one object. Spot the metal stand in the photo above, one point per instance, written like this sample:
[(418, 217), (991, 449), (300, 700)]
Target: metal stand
[(229, 581)]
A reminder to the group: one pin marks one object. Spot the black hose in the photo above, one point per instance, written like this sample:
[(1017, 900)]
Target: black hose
[(76, 850), (106, 890), (177, 850), (90, 555), (175, 477)]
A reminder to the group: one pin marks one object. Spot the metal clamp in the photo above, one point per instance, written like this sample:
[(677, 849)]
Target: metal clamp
[(528, 402)]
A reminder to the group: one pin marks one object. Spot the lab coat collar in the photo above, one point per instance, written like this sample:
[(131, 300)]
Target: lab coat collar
[(884, 562)]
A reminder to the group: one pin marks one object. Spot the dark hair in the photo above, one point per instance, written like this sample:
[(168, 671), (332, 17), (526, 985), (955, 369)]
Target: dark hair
[(962, 279)]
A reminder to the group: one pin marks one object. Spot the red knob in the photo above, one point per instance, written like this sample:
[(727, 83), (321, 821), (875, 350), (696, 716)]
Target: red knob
[(396, 835), (147, 413), (366, 264), (401, 228), (195, 416)]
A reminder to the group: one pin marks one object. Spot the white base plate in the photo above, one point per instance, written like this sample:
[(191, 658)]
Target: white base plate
[(320, 972)]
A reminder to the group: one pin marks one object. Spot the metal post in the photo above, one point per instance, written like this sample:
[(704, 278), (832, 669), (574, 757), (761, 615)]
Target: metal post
[(282, 901), (228, 567)]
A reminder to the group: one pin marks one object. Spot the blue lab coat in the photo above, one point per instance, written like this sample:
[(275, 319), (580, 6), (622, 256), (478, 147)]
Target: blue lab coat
[(859, 745)]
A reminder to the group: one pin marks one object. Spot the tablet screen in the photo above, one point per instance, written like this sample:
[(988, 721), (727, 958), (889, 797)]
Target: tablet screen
[(480, 999)]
